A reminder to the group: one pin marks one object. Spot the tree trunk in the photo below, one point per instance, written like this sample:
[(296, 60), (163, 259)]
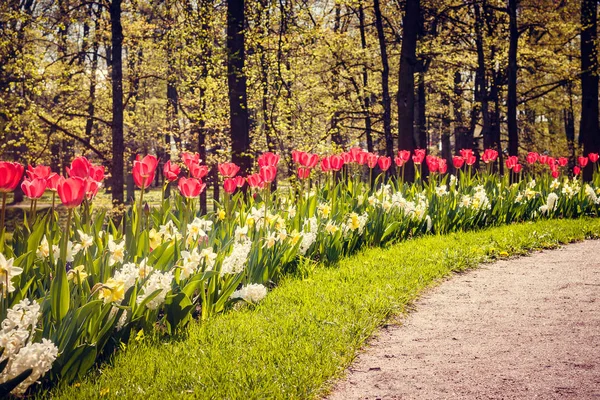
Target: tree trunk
[(589, 131), (236, 80), (117, 101), (406, 81), (421, 120), (481, 96), (511, 101), (365, 76), (385, 77)]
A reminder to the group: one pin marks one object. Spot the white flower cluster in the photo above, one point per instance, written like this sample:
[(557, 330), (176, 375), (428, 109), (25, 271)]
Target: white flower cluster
[(198, 229), (478, 202), (591, 194), (14, 335), (252, 293), (116, 250), (441, 190), (551, 203), (234, 263), (354, 223), (43, 250), (570, 190), (192, 260), (309, 235), (157, 281)]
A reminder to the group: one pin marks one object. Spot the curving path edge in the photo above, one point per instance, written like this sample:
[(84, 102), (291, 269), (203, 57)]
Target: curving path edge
[(525, 328)]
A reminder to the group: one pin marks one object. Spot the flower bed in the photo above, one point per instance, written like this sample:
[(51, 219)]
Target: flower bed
[(89, 285)]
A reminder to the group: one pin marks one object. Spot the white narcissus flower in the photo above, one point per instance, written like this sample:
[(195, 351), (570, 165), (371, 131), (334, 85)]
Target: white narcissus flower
[(252, 293), (196, 228), (157, 281), (43, 250), (72, 250), (241, 233), (191, 262), (208, 256), (117, 251), (7, 272), (86, 240)]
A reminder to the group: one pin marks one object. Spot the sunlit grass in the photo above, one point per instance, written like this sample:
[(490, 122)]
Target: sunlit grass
[(308, 329)]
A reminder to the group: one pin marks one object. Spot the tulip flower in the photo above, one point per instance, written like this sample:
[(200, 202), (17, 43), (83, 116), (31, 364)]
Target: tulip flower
[(268, 159), (34, 188), (551, 162), (228, 170), (171, 171), (10, 175), (190, 159), (532, 157), (91, 188), (543, 158), (303, 172), (337, 162), (443, 166), (517, 168), (593, 157), (404, 155), (582, 161), (555, 174), (41, 171), (254, 181), (359, 156), (471, 159), (562, 161), (432, 163), (190, 187), (384, 163), (372, 160), (297, 156), (80, 168), (143, 170), (71, 191), (347, 158), (489, 155), (458, 162), (576, 170), (96, 172), (511, 162), (268, 173), (229, 185), (309, 160), (399, 161), (239, 181), (419, 156), (52, 181)]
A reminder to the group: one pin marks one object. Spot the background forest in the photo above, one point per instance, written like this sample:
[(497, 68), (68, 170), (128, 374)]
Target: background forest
[(231, 79)]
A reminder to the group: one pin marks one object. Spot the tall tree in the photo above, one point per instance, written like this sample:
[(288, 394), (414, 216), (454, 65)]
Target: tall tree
[(589, 130), (511, 101), (117, 101), (385, 77), (236, 80), (406, 80)]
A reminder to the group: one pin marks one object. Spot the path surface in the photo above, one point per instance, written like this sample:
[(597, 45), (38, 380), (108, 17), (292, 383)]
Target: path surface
[(527, 328)]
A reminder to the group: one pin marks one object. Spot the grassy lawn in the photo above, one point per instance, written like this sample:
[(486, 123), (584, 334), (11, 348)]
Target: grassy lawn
[(309, 328)]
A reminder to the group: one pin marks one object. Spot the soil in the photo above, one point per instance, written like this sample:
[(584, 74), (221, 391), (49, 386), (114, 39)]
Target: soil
[(526, 328)]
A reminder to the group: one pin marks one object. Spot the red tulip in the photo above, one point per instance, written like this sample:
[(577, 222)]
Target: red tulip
[(384, 163), (52, 181), (190, 187), (532, 157), (268, 173), (432, 163), (489, 155), (543, 159), (372, 160), (10, 175), (419, 156), (326, 164), (239, 181), (309, 160), (337, 162), (254, 181), (358, 155), (143, 170), (458, 162), (404, 155), (471, 159), (229, 185), (190, 159), (96, 172), (582, 161), (303, 173), (443, 166), (41, 171), (171, 171), (466, 153), (80, 168), (555, 174), (593, 157), (33, 188), (228, 170), (399, 161), (297, 156), (517, 168), (198, 171), (91, 188), (71, 191), (268, 159), (562, 161), (576, 170), (347, 157), (551, 162), (511, 162)]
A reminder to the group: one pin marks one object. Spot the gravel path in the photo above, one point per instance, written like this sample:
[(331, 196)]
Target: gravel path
[(526, 328)]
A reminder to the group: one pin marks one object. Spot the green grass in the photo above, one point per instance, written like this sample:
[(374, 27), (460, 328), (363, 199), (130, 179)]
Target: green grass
[(308, 330)]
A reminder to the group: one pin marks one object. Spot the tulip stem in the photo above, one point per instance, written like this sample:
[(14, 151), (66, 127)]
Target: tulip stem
[(2, 219), (139, 225), (34, 212), (63, 251)]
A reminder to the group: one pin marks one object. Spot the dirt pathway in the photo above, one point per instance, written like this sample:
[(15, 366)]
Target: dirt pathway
[(527, 328)]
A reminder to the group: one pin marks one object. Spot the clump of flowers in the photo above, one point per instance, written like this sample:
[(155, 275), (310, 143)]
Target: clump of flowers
[(252, 293)]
